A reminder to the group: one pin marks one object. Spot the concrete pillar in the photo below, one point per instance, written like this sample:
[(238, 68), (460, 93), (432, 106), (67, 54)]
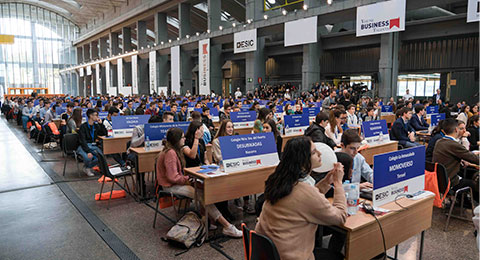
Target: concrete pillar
[(161, 35), (80, 55), (143, 76), (184, 19), (94, 50), (311, 65), (81, 85), (214, 14), (388, 65), (254, 9), (103, 79), (186, 67), (142, 34), (114, 50), (254, 66), (86, 53), (216, 63), (103, 47), (127, 46)]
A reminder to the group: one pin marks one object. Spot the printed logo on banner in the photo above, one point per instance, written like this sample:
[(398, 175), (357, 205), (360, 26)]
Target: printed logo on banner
[(242, 152), (134, 74), (296, 124), (123, 125), (156, 132), (383, 17), (175, 68), (245, 41), (376, 132), (473, 11), (397, 173), (436, 118), (204, 66), (152, 58), (243, 119)]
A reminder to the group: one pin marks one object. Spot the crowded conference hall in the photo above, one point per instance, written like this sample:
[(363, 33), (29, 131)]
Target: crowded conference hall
[(161, 129)]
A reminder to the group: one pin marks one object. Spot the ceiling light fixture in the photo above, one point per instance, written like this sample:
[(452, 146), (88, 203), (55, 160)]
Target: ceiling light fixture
[(305, 7), (284, 12), (208, 31), (329, 2), (265, 17), (170, 40), (198, 34), (220, 27), (234, 25)]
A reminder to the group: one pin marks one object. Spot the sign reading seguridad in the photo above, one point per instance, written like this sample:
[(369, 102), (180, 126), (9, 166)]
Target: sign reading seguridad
[(241, 152), (383, 17)]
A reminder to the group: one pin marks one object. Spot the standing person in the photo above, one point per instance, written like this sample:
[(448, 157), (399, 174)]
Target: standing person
[(238, 94), (295, 206), (407, 95), (329, 102), (334, 129), (316, 131), (438, 96), (75, 121), (402, 131), (87, 137), (170, 165), (27, 114)]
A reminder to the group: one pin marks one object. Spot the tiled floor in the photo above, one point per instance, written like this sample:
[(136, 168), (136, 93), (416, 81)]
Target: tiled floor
[(41, 223)]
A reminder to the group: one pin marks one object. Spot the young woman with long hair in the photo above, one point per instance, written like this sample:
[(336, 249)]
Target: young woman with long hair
[(74, 121), (295, 206), (170, 165), (334, 130)]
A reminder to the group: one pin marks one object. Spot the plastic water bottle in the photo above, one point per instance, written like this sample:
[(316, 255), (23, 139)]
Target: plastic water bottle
[(381, 136), (147, 144), (352, 195)]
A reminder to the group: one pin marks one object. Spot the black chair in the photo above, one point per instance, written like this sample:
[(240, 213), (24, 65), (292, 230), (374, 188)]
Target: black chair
[(246, 241), (162, 193), (105, 170), (262, 248), (452, 195), (48, 135), (70, 145)]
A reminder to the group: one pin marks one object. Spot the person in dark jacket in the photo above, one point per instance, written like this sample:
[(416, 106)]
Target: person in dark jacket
[(402, 131), (87, 136), (207, 119), (183, 113), (473, 128), (316, 131), (437, 134), (417, 121)]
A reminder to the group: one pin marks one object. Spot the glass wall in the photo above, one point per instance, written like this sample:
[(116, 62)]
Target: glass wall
[(419, 85), (42, 47)]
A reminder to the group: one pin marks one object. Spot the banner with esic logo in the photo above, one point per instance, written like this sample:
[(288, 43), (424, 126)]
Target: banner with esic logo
[(375, 132), (241, 152), (152, 60), (204, 66), (296, 124), (175, 68), (383, 17), (473, 11), (123, 125), (397, 173), (156, 132), (436, 118), (245, 41), (243, 119), (120, 73), (108, 81), (97, 78), (135, 74)]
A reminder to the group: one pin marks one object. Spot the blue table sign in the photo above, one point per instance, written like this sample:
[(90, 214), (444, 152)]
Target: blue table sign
[(432, 110), (296, 124), (397, 173), (387, 110), (375, 132), (123, 125), (243, 119), (436, 118), (242, 152), (156, 131), (311, 112)]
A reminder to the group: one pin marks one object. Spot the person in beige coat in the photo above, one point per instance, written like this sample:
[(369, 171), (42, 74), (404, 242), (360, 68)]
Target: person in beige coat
[(295, 206)]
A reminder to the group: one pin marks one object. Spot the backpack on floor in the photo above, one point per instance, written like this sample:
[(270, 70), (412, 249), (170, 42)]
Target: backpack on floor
[(189, 230)]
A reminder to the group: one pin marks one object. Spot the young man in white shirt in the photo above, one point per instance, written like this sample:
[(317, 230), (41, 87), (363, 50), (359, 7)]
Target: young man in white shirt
[(238, 93), (352, 119), (407, 96), (350, 143)]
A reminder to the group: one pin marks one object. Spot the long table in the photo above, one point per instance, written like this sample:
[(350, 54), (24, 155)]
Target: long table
[(375, 149), (230, 186), (145, 163), (364, 239), (113, 145), (389, 118), (285, 139), (244, 131)]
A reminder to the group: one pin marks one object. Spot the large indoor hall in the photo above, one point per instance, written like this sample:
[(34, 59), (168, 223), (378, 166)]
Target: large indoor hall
[(239, 129)]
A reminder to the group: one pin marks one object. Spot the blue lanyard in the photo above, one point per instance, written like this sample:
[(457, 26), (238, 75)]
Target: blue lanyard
[(92, 131), (448, 137)]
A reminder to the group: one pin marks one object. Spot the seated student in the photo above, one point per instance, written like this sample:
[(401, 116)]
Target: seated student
[(402, 131), (370, 115), (75, 121), (87, 137), (264, 114), (170, 165), (194, 149), (50, 115), (153, 109), (334, 129), (352, 119), (128, 111), (316, 131), (27, 114), (207, 119), (173, 109), (450, 153), (351, 142), (295, 206), (417, 121), (207, 136), (473, 129), (437, 134), (168, 117), (226, 112), (183, 113), (270, 126)]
